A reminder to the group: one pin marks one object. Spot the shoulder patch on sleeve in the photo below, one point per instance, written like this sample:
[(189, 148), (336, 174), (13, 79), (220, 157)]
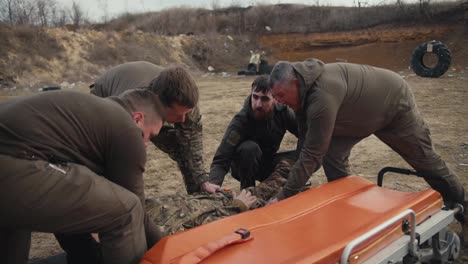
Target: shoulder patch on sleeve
[(233, 138)]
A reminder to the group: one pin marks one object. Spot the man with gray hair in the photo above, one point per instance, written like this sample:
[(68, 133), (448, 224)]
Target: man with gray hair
[(72, 164), (339, 104)]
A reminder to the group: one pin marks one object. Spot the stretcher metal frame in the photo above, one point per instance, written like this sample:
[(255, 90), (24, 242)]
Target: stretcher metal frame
[(407, 245)]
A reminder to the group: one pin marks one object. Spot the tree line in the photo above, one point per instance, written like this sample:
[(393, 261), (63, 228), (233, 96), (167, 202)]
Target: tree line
[(45, 13)]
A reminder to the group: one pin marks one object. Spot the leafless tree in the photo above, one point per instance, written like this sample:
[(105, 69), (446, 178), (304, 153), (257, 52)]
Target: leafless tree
[(25, 12), (77, 15), (59, 17), (105, 9), (235, 3), (44, 11), (7, 11), (215, 5)]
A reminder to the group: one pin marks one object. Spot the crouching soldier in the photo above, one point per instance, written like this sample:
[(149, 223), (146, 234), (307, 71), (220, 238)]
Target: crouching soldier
[(181, 137), (251, 141), (72, 164)]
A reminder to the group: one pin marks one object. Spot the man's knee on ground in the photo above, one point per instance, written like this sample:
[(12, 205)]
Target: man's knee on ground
[(249, 151)]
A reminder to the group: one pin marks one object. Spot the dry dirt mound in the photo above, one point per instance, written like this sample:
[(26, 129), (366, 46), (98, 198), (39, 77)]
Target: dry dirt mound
[(36, 57), (384, 46)]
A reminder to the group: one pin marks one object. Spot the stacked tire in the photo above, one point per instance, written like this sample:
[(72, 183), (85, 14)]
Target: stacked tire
[(444, 59)]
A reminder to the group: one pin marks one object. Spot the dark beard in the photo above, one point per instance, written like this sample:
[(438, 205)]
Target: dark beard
[(260, 115)]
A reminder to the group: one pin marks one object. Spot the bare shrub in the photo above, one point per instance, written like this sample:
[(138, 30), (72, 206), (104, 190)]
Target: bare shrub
[(220, 52), (77, 15), (25, 47), (102, 53), (284, 18), (46, 13)]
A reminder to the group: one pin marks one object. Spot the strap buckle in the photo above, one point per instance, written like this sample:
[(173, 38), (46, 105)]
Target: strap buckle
[(243, 232)]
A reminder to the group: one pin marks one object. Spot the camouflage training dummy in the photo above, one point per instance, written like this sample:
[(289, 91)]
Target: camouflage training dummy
[(71, 164), (251, 141), (339, 104), (174, 213), (182, 138)]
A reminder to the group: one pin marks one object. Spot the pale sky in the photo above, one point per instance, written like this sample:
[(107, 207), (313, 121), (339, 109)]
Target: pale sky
[(95, 9)]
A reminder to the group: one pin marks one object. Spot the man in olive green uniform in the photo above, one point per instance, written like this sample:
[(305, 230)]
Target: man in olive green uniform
[(72, 163), (178, 212), (251, 141), (182, 139), (339, 104)]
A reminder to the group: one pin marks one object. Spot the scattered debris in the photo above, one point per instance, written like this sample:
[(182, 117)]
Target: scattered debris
[(268, 28), (210, 68), (49, 88)]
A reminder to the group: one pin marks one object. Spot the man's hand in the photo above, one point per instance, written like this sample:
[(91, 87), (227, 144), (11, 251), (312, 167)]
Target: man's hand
[(246, 198), (278, 197), (209, 187), (272, 201)]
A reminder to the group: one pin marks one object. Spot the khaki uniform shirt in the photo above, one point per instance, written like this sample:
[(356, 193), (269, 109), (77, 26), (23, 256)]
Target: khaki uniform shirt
[(183, 141)]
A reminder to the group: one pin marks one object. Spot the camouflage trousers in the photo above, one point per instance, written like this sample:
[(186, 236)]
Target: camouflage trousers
[(178, 212), (271, 185)]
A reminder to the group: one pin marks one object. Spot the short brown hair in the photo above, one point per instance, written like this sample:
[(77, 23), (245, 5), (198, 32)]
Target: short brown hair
[(175, 85), (143, 100), (261, 84)]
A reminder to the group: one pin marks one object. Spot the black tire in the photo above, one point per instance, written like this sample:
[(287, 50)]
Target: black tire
[(252, 67), (443, 54), (264, 67), (250, 73), (241, 72)]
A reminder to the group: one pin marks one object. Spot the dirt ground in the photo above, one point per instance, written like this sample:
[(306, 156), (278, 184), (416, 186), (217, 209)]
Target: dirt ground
[(442, 102)]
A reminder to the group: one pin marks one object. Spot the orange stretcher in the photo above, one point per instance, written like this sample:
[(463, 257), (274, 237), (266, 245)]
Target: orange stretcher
[(350, 220)]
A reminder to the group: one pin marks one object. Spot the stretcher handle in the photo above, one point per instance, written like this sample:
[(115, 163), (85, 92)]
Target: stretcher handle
[(412, 247), (396, 170)]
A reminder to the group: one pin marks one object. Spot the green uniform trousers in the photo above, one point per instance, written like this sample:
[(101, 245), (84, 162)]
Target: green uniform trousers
[(69, 199)]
